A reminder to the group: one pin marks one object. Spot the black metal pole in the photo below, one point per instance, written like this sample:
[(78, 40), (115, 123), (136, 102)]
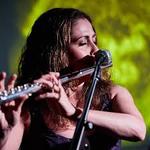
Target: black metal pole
[(81, 124)]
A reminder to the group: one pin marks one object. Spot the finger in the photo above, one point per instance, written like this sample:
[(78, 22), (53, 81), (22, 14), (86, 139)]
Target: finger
[(8, 104), (44, 82), (56, 88), (11, 81), (56, 78), (2, 81), (52, 76), (3, 122), (55, 74), (15, 103), (48, 95), (20, 101)]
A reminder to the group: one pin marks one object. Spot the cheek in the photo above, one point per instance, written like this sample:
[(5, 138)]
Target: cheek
[(76, 54), (79, 55)]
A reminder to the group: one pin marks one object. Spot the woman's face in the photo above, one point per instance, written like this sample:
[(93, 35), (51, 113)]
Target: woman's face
[(83, 41)]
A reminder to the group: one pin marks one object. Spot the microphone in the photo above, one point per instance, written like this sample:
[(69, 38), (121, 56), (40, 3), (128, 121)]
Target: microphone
[(103, 57)]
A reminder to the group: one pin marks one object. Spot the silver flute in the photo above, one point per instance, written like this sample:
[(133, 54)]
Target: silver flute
[(14, 93)]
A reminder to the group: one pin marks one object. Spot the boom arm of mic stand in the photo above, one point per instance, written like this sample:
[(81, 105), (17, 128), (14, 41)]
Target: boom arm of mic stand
[(81, 124)]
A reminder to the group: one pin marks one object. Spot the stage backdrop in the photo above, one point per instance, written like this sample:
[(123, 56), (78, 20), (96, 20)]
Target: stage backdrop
[(122, 27)]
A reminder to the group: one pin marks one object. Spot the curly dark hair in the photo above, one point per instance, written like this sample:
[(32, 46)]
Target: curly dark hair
[(46, 46), (46, 49)]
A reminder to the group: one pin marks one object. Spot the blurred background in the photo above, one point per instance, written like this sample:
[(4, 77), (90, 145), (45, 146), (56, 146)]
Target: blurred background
[(122, 27)]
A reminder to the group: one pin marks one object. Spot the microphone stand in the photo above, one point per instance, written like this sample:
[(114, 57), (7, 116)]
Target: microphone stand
[(82, 123)]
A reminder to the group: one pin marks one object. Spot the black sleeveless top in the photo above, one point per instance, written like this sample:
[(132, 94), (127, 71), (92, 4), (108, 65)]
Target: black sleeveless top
[(42, 138)]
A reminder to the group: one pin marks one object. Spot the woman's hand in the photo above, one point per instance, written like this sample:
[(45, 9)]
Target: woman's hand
[(10, 113), (55, 93)]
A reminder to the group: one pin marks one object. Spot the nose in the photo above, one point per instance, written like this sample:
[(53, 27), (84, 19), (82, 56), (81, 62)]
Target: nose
[(94, 48)]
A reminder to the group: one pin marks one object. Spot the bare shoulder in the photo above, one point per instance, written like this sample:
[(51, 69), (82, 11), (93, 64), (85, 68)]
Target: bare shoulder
[(122, 101), (117, 90)]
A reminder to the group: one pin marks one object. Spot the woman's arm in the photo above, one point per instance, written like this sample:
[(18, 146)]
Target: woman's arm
[(12, 139), (125, 121), (11, 122)]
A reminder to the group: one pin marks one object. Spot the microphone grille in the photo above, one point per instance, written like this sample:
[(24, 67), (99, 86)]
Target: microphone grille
[(105, 55)]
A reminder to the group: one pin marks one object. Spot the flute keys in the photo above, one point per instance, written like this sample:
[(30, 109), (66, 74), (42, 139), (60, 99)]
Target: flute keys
[(12, 91), (4, 93)]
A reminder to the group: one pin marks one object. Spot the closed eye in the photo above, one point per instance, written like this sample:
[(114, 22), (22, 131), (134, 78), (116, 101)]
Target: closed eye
[(82, 44), (83, 41)]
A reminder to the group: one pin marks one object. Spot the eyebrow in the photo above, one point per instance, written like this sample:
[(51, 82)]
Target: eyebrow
[(77, 38)]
